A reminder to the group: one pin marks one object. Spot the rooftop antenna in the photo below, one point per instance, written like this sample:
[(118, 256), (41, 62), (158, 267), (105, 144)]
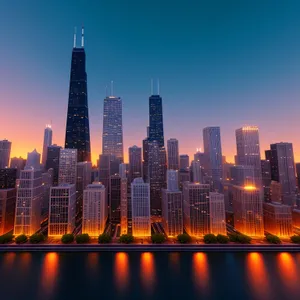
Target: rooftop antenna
[(157, 86), (82, 36), (151, 86), (112, 88), (74, 44)]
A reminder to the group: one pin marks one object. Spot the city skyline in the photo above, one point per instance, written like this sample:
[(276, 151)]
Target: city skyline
[(255, 78)]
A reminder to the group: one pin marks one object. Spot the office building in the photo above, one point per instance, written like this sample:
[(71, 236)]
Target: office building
[(196, 171), (217, 214), (84, 175), (5, 148), (115, 198), (242, 175), (140, 208), (33, 160), (67, 166), (278, 219), (184, 162), (135, 163), (17, 163), (248, 210), (184, 176), (52, 162), (94, 209), (8, 177), (124, 205), (47, 142), (172, 180), (62, 209), (7, 209), (196, 215), (173, 154)]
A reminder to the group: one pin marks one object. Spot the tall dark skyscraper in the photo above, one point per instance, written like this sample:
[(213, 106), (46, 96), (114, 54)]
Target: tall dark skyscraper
[(156, 127), (78, 130)]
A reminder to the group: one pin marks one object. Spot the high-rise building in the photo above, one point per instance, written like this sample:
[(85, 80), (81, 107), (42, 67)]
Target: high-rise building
[(29, 201), (196, 215), (157, 174), (52, 162), (184, 176), (295, 218), (62, 209), (47, 182), (124, 205), (217, 214), (104, 173), (84, 175), (146, 160), (67, 166), (140, 207), (242, 175), (8, 178), (123, 170), (213, 153), (78, 128), (112, 137), (196, 171), (275, 192), (135, 163), (115, 198), (94, 209), (33, 160), (7, 209), (266, 172), (278, 219), (173, 154), (5, 148), (17, 163), (47, 143), (281, 157), (184, 162), (248, 151), (172, 214), (156, 126), (298, 174), (248, 210)]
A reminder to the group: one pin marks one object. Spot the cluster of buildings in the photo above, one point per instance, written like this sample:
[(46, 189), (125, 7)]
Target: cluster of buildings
[(63, 193)]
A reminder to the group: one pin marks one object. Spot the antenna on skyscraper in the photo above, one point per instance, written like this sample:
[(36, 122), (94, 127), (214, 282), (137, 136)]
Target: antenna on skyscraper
[(151, 86), (74, 45), (112, 88), (82, 36), (158, 86)]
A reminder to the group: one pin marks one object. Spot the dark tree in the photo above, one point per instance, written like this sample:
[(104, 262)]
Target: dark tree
[(21, 239), (184, 238), (126, 239), (67, 238), (158, 238), (210, 239), (82, 238)]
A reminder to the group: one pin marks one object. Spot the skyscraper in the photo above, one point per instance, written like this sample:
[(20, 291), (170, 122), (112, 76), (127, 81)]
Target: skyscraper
[(67, 166), (94, 209), (124, 204), (196, 171), (172, 180), (52, 161), (248, 152), (7, 209), (173, 154), (5, 147), (184, 162), (196, 218), (248, 210), (33, 160), (8, 178), (140, 202), (62, 209), (213, 154), (135, 163), (84, 175), (78, 129), (217, 213), (115, 198), (242, 175), (281, 157), (18, 163), (47, 143), (298, 174), (112, 137), (156, 126)]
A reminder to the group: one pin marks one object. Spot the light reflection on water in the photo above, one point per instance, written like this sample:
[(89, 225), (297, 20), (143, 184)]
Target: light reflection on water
[(201, 272), (147, 271), (121, 270)]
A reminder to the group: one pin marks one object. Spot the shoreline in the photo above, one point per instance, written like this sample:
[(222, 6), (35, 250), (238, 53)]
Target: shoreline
[(148, 248)]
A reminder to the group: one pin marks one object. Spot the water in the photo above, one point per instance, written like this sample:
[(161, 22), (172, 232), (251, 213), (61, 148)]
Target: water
[(132, 276)]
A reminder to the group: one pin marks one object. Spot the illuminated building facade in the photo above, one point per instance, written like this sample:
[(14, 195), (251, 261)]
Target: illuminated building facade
[(140, 208), (29, 202), (124, 205), (196, 215), (62, 209), (135, 163), (7, 209), (213, 154), (217, 214), (248, 151), (296, 218), (94, 215), (248, 210), (278, 219), (173, 154), (5, 148), (67, 166), (47, 142), (242, 175), (196, 171), (78, 128)]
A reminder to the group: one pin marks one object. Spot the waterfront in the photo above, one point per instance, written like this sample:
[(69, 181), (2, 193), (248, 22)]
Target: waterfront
[(149, 275)]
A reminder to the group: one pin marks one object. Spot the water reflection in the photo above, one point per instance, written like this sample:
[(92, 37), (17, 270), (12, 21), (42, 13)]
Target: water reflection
[(121, 270), (288, 270), (9, 259), (147, 270), (201, 271), (257, 276), (25, 261), (93, 259), (49, 273), (174, 261)]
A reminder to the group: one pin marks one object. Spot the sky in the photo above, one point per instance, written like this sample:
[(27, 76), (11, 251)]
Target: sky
[(219, 63)]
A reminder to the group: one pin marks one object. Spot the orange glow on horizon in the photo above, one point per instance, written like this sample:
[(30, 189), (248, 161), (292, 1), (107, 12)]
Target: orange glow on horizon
[(258, 276), (201, 271), (121, 270)]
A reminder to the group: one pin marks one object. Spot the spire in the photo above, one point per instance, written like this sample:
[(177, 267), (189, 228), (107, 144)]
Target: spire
[(82, 36), (151, 86), (74, 44)]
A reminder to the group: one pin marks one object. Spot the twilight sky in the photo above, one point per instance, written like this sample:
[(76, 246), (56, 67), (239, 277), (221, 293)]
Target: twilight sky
[(220, 63)]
